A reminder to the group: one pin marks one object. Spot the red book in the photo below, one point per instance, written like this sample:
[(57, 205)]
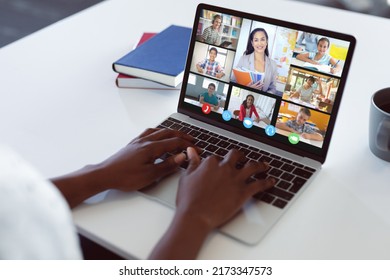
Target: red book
[(126, 81)]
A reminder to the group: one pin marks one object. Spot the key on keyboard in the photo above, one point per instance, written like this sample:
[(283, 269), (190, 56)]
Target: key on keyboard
[(290, 176)]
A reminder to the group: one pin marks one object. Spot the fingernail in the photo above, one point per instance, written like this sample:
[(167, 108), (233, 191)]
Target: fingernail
[(191, 153), (179, 158), (272, 180)]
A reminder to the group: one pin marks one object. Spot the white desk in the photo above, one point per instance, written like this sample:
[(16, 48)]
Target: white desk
[(60, 108)]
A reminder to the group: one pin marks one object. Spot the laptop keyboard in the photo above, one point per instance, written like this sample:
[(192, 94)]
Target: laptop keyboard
[(290, 176)]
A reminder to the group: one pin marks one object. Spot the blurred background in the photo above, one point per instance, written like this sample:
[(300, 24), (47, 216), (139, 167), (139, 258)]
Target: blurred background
[(372, 7), (18, 18)]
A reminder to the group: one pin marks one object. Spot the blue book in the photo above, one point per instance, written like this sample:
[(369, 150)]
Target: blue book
[(160, 59)]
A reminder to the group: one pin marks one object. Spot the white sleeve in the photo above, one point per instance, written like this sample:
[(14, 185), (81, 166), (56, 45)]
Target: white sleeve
[(35, 220)]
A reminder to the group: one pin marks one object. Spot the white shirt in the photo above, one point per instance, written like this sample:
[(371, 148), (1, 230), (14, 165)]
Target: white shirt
[(35, 220), (247, 112)]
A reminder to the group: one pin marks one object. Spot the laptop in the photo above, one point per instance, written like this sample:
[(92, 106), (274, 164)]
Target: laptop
[(282, 111)]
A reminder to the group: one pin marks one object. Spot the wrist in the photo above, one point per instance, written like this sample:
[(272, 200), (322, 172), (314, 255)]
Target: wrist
[(193, 222), (81, 184), (94, 177), (183, 239)]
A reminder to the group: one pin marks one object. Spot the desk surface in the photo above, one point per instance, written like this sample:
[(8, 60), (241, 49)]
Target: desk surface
[(309, 66), (61, 110)]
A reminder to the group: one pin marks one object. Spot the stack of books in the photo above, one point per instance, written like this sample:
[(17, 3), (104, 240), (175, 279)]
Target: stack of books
[(156, 62)]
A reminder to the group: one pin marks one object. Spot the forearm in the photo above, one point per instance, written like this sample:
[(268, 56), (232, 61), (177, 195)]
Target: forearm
[(255, 112), (182, 240), (320, 88), (302, 57), (242, 112), (337, 68), (283, 126), (316, 136), (79, 185), (294, 94), (219, 75)]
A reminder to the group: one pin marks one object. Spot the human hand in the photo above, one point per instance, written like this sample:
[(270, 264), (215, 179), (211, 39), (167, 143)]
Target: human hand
[(200, 69), (131, 168), (219, 75), (266, 120), (306, 135), (258, 85), (134, 166), (294, 94), (211, 192), (312, 136)]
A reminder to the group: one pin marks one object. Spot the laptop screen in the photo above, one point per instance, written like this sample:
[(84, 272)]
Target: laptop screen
[(273, 81)]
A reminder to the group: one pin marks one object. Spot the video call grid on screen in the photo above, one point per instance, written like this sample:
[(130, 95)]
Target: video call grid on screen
[(291, 91)]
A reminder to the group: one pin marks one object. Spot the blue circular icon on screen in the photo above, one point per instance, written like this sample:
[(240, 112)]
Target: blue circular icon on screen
[(226, 115), (270, 130), (248, 123)]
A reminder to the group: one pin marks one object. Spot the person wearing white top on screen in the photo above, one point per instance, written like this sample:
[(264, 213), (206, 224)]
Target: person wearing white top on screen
[(210, 34), (321, 57)]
